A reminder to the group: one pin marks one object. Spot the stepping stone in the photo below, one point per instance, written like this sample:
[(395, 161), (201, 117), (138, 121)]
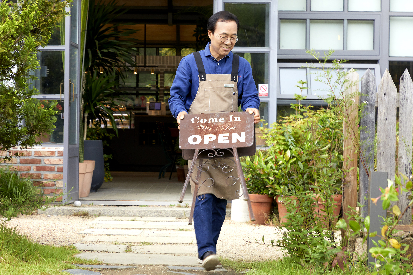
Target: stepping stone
[(140, 259), (166, 249), (102, 231), (139, 239), (81, 272), (112, 248)]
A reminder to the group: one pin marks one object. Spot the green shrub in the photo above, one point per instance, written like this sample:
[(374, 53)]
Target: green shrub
[(18, 195)]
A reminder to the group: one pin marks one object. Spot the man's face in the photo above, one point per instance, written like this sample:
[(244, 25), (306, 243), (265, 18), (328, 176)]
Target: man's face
[(223, 39)]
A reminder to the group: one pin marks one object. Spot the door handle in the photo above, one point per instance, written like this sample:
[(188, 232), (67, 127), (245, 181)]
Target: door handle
[(61, 91)]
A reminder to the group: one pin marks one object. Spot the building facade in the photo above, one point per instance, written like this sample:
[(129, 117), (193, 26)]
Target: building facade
[(274, 37)]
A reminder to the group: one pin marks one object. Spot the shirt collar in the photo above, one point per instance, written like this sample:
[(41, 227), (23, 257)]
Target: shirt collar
[(208, 52)]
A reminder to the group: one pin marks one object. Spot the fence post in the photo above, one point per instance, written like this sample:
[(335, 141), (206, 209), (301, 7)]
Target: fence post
[(405, 139), (386, 126), (377, 180), (367, 134), (350, 130)]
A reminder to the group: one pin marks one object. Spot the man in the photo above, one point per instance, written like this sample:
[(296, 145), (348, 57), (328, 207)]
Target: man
[(211, 81)]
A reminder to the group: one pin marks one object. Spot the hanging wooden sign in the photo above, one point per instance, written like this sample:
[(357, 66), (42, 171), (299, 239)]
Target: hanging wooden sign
[(216, 131)]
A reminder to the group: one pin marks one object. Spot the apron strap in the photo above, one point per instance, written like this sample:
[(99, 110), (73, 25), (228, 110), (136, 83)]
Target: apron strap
[(235, 66), (200, 65), (201, 69)]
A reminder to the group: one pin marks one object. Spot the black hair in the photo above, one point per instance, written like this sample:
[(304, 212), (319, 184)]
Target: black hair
[(221, 16)]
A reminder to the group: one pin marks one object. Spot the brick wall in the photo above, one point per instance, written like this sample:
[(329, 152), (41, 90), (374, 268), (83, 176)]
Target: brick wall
[(42, 164)]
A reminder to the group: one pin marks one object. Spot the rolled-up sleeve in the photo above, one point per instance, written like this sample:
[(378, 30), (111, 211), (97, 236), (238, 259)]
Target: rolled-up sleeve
[(181, 87), (247, 90)]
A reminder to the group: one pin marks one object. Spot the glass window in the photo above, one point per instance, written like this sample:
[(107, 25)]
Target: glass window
[(74, 22), (326, 5), (397, 68), (73, 98), (57, 135), (292, 34), (168, 79), (289, 78), (326, 34), (147, 80), (288, 5), (51, 72), (318, 84), (264, 114), (167, 51), (149, 51), (284, 111), (401, 5), (254, 23), (259, 65), (360, 35), (401, 44), (58, 34), (129, 81), (365, 5), (186, 51)]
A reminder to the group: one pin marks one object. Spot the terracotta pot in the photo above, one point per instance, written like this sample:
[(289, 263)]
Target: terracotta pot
[(82, 172), (282, 209), (84, 189), (180, 173), (261, 207), (319, 209), (258, 137)]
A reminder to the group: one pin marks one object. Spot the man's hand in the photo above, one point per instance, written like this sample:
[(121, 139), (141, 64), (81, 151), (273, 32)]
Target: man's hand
[(256, 113), (179, 117)]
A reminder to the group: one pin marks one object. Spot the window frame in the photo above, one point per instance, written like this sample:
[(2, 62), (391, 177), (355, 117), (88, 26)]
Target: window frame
[(308, 67), (360, 54)]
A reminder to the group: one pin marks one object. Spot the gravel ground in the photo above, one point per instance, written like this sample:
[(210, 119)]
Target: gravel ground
[(248, 242), (51, 230), (238, 241)]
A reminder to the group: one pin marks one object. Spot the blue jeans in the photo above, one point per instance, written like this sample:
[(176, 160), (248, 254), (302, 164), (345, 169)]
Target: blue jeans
[(209, 215)]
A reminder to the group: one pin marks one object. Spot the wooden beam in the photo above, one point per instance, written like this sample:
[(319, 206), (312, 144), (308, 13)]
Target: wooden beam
[(350, 128)]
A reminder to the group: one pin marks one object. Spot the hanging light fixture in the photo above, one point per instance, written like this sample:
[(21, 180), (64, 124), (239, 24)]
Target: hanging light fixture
[(101, 70), (135, 71), (152, 71)]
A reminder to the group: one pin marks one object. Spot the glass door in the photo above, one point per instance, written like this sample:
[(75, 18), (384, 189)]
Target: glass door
[(58, 80), (258, 44), (72, 104)]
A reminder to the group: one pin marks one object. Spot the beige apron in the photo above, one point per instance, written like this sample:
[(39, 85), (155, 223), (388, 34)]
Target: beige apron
[(216, 93)]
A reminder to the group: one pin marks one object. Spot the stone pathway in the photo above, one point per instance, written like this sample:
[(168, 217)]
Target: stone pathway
[(145, 240), (140, 245)]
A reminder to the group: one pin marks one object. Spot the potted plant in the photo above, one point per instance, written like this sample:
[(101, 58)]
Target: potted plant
[(98, 106), (307, 149), (180, 169), (259, 173)]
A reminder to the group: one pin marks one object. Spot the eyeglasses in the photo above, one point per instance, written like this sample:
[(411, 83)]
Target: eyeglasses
[(232, 39)]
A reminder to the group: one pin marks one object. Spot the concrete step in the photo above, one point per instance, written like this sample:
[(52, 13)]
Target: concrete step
[(121, 211)]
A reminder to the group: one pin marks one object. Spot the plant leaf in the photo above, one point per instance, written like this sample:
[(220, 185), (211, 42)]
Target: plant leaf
[(367, 223), (395, 243), (341, 224), (383, 230), (396, 210), (354, 226), (386, 204)]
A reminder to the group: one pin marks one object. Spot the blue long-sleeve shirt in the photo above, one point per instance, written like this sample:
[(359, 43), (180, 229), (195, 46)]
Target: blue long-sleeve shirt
[(186, 82)]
